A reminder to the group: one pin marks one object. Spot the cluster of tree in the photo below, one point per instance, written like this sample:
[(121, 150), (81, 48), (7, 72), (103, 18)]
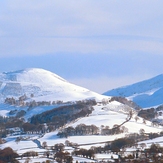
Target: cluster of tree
[(63, 156), (90, 153), (21, 101), (9, 122), (58, 147), (125, 101), (83, 129), (5, 119), (148, 114), (150, 155), (63, 114), (3, 122), (138, 137), (155, 135), (14, 122), (159, 108), (113, 131), (118, 144), (90, 102), (29, 154), (25, 127), (2, 141), (80, 129), (28, 127), (59, 154), (8, 155), (105, 101), (71, 144), (20, 113), (155, 148), (143, 136)]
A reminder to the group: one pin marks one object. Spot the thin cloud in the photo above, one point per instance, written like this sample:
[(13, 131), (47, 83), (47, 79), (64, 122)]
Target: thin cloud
[(39, 27)]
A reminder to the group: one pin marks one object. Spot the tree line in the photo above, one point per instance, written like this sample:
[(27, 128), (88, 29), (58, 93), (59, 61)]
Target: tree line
[(83, 129), (63, 114)]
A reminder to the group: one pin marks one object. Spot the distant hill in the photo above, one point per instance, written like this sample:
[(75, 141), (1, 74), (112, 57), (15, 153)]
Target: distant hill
[(147, 93), (42, 85), (32, 91)]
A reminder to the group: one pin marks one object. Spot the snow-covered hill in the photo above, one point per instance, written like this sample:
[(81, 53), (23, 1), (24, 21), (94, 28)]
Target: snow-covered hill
[(147, 93), (42, 84), (108, 115), (46, 86), (38, 85)]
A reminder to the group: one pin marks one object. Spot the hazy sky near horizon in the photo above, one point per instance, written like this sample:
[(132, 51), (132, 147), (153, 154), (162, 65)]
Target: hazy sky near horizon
[(97, 44)]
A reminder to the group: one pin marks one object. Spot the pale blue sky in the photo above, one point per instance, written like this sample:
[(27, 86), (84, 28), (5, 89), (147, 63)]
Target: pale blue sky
[(97, 44)]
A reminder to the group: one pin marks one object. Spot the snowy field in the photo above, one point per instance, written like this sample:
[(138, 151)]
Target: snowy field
[(148, 143), (100, 116), (104, 115), (108, 115), (32, 81), (94, 140)]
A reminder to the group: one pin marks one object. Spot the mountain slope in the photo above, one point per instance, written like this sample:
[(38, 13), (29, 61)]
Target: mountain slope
[(146, 93), (42, 84)]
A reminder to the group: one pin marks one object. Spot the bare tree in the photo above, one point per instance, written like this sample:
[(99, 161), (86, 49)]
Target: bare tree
[(141, 131), (44, 144), (136, 118), (142, 145), (144, 121)]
